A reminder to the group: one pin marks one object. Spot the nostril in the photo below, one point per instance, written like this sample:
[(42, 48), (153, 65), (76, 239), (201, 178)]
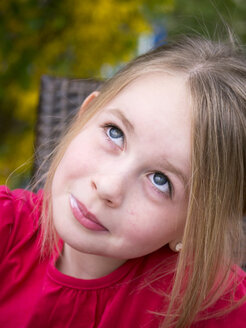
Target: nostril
[(109, 203), (94, 186), (107, 190)]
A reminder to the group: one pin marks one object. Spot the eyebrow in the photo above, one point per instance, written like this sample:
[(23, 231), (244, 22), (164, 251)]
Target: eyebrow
[(122, 117), (165, 163), (171, 168)]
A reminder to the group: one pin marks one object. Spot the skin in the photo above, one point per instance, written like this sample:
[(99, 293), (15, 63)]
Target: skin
[(113, 173)]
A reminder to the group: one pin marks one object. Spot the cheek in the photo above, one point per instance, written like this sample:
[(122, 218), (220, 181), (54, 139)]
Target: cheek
[(148, 226), (78, 160)]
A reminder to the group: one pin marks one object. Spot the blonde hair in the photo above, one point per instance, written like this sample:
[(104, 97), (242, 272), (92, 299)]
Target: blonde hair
[(216, 77)]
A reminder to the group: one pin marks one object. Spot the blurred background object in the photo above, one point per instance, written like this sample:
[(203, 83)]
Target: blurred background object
[(82, 39)]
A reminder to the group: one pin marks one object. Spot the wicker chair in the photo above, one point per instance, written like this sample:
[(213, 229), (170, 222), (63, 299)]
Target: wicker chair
[(59, 101)]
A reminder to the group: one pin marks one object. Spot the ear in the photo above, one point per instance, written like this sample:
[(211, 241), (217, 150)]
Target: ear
[(87, 100)]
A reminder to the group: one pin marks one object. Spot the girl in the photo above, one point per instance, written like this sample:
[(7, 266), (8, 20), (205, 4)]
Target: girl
[(141, 214)]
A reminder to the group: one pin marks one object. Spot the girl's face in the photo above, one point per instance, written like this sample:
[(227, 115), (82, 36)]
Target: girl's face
[(121, 188)]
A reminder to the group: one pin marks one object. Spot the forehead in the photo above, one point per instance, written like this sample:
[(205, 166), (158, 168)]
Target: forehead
[(153, 94), (158, 105), (156, 102)]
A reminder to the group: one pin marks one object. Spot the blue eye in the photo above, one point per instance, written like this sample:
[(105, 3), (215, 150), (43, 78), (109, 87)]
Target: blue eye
[(116, 135), (160, 181)]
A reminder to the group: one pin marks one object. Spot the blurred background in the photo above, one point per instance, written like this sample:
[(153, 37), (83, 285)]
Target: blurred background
[(83, 39)]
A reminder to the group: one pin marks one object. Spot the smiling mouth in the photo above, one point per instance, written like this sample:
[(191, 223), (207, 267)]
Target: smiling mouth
[(83, 216)]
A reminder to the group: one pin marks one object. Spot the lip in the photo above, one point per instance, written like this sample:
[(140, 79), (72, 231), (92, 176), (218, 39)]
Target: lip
[(85, 218)]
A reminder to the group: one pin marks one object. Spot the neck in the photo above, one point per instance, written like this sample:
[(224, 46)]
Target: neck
[(85, 266)]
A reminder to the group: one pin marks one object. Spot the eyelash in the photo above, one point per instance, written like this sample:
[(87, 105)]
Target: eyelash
[(111, 125), (170, 192), (170, 187)]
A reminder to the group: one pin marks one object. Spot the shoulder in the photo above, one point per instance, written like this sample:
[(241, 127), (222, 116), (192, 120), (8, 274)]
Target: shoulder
[(22, 195), (17, 202), (19, 215), (239, 295), (237, 299), (231, 307), (235, 318), (229, 311)]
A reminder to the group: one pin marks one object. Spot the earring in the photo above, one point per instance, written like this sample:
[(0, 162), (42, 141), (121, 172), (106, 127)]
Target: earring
[(175, 246), (178, 247)]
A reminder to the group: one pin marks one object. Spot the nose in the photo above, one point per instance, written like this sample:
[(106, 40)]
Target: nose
[(109, 188)]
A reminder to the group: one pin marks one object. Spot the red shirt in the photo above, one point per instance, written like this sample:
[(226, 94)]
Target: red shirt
[(35, 294)]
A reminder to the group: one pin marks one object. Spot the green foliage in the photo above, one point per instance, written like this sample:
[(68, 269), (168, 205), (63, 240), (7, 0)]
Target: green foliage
[(62, 38), (208, 17)]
